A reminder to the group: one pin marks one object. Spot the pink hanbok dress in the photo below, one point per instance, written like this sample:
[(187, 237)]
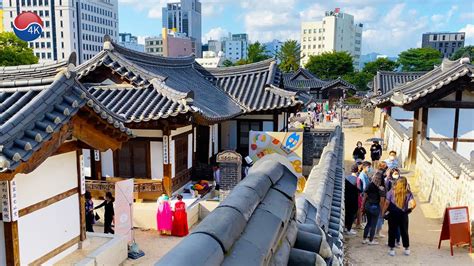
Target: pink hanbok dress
[(164, 217)]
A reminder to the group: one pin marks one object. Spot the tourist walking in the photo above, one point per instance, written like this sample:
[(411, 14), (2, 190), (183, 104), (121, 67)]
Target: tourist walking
[(359, 152), (180, 218), (375, 153), (90, 219), (351, 197), (399, 204), (109, 213), (392, 161), (374, 198), (216, 173), (164, 216)]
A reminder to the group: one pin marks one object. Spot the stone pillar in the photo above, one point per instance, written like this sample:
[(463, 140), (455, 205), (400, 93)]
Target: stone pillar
[(230, 164)]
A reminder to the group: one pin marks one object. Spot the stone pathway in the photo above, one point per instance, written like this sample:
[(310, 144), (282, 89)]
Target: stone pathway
[(424, 228)]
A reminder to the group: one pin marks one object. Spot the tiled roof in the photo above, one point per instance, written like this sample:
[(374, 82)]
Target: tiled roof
[(385, 81), (35, 102), (308, 80), (160, 87), (256, 87), (334, 82), (432, 81)]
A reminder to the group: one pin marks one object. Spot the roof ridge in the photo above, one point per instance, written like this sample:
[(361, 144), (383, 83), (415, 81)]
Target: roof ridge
[(243, 68)]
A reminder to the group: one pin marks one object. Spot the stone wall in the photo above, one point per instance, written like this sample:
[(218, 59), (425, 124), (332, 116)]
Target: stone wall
[(398, 139), (445, 177), (313, 145)]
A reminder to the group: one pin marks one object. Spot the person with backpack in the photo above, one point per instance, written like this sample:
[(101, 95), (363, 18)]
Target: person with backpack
[(398, 205), (374, 199), (351, 197)]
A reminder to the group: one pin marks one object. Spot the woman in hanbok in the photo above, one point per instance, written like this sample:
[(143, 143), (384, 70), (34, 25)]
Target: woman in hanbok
[(180, 219), (164, 215)]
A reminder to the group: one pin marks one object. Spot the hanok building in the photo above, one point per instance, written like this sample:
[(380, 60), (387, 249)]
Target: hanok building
[(442, 102), (177, 114), (320, 90), (46, 118), (385, 81)]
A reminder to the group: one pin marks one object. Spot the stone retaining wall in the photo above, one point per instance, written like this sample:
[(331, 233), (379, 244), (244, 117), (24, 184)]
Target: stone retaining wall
[(397, 138), (445, 177)]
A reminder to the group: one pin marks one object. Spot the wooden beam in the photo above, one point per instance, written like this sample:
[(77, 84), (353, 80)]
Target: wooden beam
[(88, 134), (56, 251), (414, 139), (453, 104), (67, 147), (45, 203), (12, 244)]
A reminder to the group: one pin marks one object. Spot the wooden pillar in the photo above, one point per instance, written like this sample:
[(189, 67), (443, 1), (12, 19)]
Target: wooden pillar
[(414, 137), (275, 122), (424, 123), (456, 121), (82, 199), (12, 247), (167, 179)]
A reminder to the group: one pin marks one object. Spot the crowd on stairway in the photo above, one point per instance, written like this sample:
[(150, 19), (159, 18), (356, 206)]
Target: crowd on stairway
[(376, 191)]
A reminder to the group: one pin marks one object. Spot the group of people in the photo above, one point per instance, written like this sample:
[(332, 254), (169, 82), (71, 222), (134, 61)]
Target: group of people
[(377, 191), (169, 222), (172, 222)]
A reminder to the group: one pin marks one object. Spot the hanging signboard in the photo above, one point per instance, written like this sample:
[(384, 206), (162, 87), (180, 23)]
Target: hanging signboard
[(13, 201), (96, 155), (83, 176), (165, 150), (124, 208), (456, 227), (5, 201)]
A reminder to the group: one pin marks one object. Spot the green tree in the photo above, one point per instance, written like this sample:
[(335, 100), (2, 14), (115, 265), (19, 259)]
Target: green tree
[(330, 65), (359, 79), (227, 63), (289, 56), (256, 53), (14, 52), (467, 51), (381, 64), (419, 59)]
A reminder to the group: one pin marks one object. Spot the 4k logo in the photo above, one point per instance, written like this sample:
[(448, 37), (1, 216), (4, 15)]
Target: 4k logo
[(28, 26)]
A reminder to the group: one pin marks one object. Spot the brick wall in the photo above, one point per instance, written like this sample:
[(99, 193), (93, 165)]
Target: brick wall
[(231, 175)]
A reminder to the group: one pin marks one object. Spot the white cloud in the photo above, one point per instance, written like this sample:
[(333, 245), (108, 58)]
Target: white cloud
[(467, 16), (211, 9), (314, 12), (155, 13), (469, 30), (214, 34), (364, 14), (153, 6)]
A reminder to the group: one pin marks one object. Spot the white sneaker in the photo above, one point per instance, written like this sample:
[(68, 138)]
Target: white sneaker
[(373, 242), (365, 241), (407, 252), (352, 232), (397, 244), (379, 236), (391, 252)]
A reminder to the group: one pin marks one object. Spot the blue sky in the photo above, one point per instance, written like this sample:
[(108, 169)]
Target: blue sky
[(390, 26)]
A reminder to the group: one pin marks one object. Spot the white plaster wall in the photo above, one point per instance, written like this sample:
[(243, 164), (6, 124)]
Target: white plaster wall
[(181, 130), (400, 113), (281, 121), (54, 176), (147, 133), (3, 257), (450, 97), (267, 125), (107, 163), (466, 124), (467, 96), (156, 157), (440, 122), (395, 142), (465, 149), (172, 151), (46, 229), (190, 151)]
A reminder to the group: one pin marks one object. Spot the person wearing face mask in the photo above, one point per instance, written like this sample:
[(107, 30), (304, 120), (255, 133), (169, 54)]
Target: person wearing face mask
[(364, 175), (392, 178), (359, 152), (392, 161), (351, 195), (373, 201)]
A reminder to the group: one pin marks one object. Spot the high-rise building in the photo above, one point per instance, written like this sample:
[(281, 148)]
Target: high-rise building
[(211, 60), (445, 42), (235, 47), (131, 42), (185, 17), (69, 25), (336, 32), (169, 44), (1, 16), (214, 46), (273, 47)]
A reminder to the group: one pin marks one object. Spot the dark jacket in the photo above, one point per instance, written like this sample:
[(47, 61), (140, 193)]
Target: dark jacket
[(359, 153), (109, 210), (375, 152)]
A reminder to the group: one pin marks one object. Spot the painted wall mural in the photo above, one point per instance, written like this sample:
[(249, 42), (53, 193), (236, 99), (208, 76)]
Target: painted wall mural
[(287, 144)]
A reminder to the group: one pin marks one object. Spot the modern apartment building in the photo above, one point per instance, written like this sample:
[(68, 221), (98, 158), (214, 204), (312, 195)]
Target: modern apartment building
[(336, 32), (214, 46), (69, 25), (445, 42), (273, 47), (185, 17), (1, 16), (211, 60), (235, 46), (131, 42), (169, 44)]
